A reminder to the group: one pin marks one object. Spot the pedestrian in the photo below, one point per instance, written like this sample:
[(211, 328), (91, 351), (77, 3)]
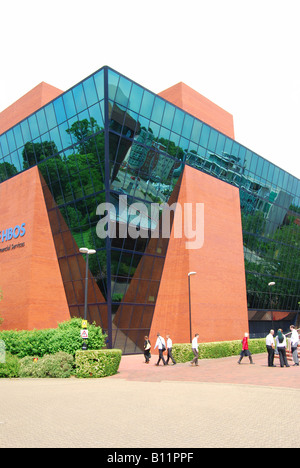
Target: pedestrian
[(147, 349), (245, 350), (270, 344), (195, 349), (294, 345), (281, 348), (161, 345), (169, 348)]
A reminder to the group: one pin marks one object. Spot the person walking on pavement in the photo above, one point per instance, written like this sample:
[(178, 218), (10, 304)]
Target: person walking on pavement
[(147, 349), (245, 350), (270, 344), (195, 350), (161, 345), (281, 348), (294, 345), (169, 348)]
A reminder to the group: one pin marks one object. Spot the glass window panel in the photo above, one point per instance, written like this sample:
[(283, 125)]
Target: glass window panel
[(228, 146), (136, 98), (69, 104), (195, 136), (242, 153), (59, 110), (123, 92), (212, 142), (187, 126), (11, 140), (64, 136), (79, 98), (99, 83), (280, 178), (25, 131), (95, 113), (90, 91), (235, 149), (178, 121), (204, 135), (34, 130), (113, 80), (168, 115), (50, 115), (147, 104), (18, 136), (4, 145), (158, 110), (253, 163), (55, 138), (41, 120), (15, 160)]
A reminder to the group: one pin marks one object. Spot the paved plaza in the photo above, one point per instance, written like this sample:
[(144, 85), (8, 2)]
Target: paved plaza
[(217, 404)]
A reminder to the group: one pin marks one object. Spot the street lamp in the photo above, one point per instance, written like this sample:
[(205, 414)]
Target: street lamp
[(190, 309), (88, 252), (272, 283)]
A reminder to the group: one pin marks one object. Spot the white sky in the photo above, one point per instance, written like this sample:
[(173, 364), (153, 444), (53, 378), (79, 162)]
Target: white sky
[(243, 55)]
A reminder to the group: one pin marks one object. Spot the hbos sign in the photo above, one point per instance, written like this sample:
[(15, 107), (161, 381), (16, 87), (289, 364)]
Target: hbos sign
[(12, 233)]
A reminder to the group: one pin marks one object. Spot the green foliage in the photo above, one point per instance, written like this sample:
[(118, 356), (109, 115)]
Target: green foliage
[(9, 368), (66, 337), (95, 364), (59, 365), (184, 353)]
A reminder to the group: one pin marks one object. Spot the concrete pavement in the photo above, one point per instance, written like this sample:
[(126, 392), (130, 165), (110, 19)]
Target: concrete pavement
[(218, 404)]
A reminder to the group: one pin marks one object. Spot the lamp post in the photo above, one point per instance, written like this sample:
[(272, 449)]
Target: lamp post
[(190, 308), (271, 284), (88, 252)]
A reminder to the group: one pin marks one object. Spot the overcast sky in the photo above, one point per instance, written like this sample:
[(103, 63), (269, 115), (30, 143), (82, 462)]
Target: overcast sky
[(243, 55)]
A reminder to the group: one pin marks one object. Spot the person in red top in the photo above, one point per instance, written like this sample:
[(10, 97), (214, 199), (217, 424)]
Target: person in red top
[(245, 350)]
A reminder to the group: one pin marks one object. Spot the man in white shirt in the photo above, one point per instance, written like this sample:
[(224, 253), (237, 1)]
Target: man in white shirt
[(195, 350), (161, 345), (294, 345), (169, 348), (270, 344)]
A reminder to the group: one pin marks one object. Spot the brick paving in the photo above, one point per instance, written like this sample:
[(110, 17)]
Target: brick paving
[(218, 404)]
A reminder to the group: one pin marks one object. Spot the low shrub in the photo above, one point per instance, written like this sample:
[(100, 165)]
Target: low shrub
[(66, 337), (59, 365), (97, 363), (183, 352), (10, 367)]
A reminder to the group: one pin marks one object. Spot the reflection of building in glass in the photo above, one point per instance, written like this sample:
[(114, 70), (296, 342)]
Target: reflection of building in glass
[(90, 145)]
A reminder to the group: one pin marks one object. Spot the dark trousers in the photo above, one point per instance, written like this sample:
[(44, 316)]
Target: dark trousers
[(147, 355), (244, 353), (161, 357), (282, 356), (271, 354), (196, 354), (170, 356)]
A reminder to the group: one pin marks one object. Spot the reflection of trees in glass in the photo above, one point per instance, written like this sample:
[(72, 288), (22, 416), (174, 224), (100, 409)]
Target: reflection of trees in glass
[(7, 170), (74, 177), (273, 258)]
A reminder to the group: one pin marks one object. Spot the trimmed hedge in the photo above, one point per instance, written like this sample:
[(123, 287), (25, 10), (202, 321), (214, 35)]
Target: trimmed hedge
[(66, 337), (184, 353), (10, 367), (59, 365), (97, 363)]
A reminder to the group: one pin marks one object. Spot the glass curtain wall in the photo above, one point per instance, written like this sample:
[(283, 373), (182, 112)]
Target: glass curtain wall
[(110, 140)]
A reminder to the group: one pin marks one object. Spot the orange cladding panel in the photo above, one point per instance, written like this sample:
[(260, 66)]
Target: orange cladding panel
[(218, 290), (200, 107), (27, 104), (30, 279)]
